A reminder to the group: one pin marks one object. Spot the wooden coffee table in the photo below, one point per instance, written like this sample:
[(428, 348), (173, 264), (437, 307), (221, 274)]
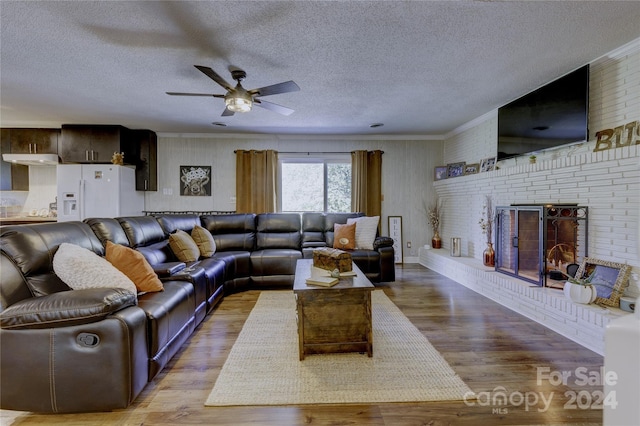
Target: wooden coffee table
[(333, 319)]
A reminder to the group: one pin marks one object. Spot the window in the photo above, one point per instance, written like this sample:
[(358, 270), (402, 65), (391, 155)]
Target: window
[(315, 183)]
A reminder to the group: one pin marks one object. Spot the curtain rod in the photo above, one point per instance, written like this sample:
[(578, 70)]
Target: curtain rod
[(307, 152)]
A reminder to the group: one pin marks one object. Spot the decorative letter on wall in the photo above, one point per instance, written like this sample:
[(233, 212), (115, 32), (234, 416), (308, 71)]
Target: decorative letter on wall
[(621, 135)]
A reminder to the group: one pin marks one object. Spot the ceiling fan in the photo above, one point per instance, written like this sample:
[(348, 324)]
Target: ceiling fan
[(238, 99)]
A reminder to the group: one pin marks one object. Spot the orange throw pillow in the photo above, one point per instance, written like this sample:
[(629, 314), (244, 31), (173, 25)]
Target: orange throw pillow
[(344, 236), (133, 264)]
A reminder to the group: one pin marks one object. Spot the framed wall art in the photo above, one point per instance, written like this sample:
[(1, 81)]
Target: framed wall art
[(455, 169), (195, 180), (440, 172), (471, 169), (488, 164), (395, 232)]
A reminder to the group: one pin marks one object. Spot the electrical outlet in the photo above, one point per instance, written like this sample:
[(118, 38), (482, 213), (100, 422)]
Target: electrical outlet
[(408, 244)]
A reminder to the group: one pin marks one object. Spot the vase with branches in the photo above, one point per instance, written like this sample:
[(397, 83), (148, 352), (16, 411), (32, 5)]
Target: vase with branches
[(434, 213), (486, 224)]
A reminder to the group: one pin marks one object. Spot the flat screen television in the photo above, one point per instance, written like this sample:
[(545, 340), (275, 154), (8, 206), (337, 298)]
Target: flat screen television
[(553, 115)]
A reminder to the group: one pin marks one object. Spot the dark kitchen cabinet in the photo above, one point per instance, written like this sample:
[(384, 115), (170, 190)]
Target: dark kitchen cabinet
[(145, 148), (13, 177), (93, 143), (34, 141), (25, 141)]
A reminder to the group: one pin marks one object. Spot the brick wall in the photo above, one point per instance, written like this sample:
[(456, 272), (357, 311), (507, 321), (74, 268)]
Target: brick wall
[(608, 182)]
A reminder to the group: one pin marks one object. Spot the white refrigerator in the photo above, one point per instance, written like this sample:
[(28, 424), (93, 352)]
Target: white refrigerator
[(97, 190)]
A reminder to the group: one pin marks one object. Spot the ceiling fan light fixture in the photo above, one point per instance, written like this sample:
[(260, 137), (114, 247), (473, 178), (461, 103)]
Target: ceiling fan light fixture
[(238, 102)]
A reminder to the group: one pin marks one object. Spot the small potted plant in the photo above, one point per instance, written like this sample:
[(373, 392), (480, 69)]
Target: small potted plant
[(532, 159), (580, 290)]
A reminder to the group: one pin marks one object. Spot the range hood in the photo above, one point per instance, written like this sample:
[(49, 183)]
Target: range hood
[(31, 159)]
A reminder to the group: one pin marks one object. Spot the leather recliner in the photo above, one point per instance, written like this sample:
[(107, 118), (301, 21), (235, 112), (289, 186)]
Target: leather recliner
[(64, 351)]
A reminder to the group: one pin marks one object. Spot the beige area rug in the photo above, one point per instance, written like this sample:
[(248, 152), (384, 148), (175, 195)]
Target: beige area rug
[(263, 366)]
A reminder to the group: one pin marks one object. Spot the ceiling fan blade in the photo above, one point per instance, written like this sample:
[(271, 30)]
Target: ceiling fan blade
[(273, 107), (227, 113), (274, 89), (194, 94), (215, 77)]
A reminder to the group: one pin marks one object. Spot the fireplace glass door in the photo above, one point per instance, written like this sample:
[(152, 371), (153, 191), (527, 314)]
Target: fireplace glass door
[(519, 242)]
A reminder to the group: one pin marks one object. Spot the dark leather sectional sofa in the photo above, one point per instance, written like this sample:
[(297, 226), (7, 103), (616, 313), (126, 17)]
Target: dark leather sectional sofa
[(65, 350)]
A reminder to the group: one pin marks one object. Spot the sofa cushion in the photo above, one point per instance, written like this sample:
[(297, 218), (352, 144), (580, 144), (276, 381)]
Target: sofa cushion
[(80, 268), (313, 229), (366, 230), (107, 229), (183, 246), (170, 223), (274, 262), (344, 236), (278, 231), (170, 321), (133, 264), (158, 253), (31, 249), (66, 308), (142, 231), (232, 232), (204, 240)]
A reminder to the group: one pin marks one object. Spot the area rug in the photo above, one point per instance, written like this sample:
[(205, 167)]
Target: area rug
[(263, 367)]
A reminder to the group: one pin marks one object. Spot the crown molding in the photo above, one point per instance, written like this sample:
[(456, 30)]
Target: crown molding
[(473, 123), (289, 137)]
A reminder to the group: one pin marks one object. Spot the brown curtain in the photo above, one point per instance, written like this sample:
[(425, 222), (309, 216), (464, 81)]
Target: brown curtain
[(256, 177), (366, 182)]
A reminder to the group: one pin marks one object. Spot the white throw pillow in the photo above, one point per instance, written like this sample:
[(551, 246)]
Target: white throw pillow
[(81, 268), (366, 229)]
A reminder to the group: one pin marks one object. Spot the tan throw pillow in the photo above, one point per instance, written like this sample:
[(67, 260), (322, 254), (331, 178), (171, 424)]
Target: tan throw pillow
[(366, 229), (133, 264), (183, 246), (344, 236), (204, 240)]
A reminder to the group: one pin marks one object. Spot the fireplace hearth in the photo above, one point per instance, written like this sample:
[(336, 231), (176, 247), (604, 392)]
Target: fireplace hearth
[(536, 243)]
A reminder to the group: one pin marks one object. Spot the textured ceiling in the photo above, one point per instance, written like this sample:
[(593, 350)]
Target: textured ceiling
[(419, 67)]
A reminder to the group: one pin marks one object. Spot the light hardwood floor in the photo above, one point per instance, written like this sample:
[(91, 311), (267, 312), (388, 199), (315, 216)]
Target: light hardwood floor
[(489, 346)]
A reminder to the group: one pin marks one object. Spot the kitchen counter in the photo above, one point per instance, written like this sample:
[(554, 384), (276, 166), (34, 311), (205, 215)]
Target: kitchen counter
[(21, 220)]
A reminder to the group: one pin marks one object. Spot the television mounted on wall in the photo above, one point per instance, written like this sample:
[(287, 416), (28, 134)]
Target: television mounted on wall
[(553, 115)]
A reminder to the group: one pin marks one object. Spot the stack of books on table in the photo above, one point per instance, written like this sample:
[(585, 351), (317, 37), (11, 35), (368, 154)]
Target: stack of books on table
[(322, 281)]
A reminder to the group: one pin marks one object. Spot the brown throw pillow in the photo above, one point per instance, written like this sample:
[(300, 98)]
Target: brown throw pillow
[(204, 240), (344, 236), (133, 264), (183, 246)]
